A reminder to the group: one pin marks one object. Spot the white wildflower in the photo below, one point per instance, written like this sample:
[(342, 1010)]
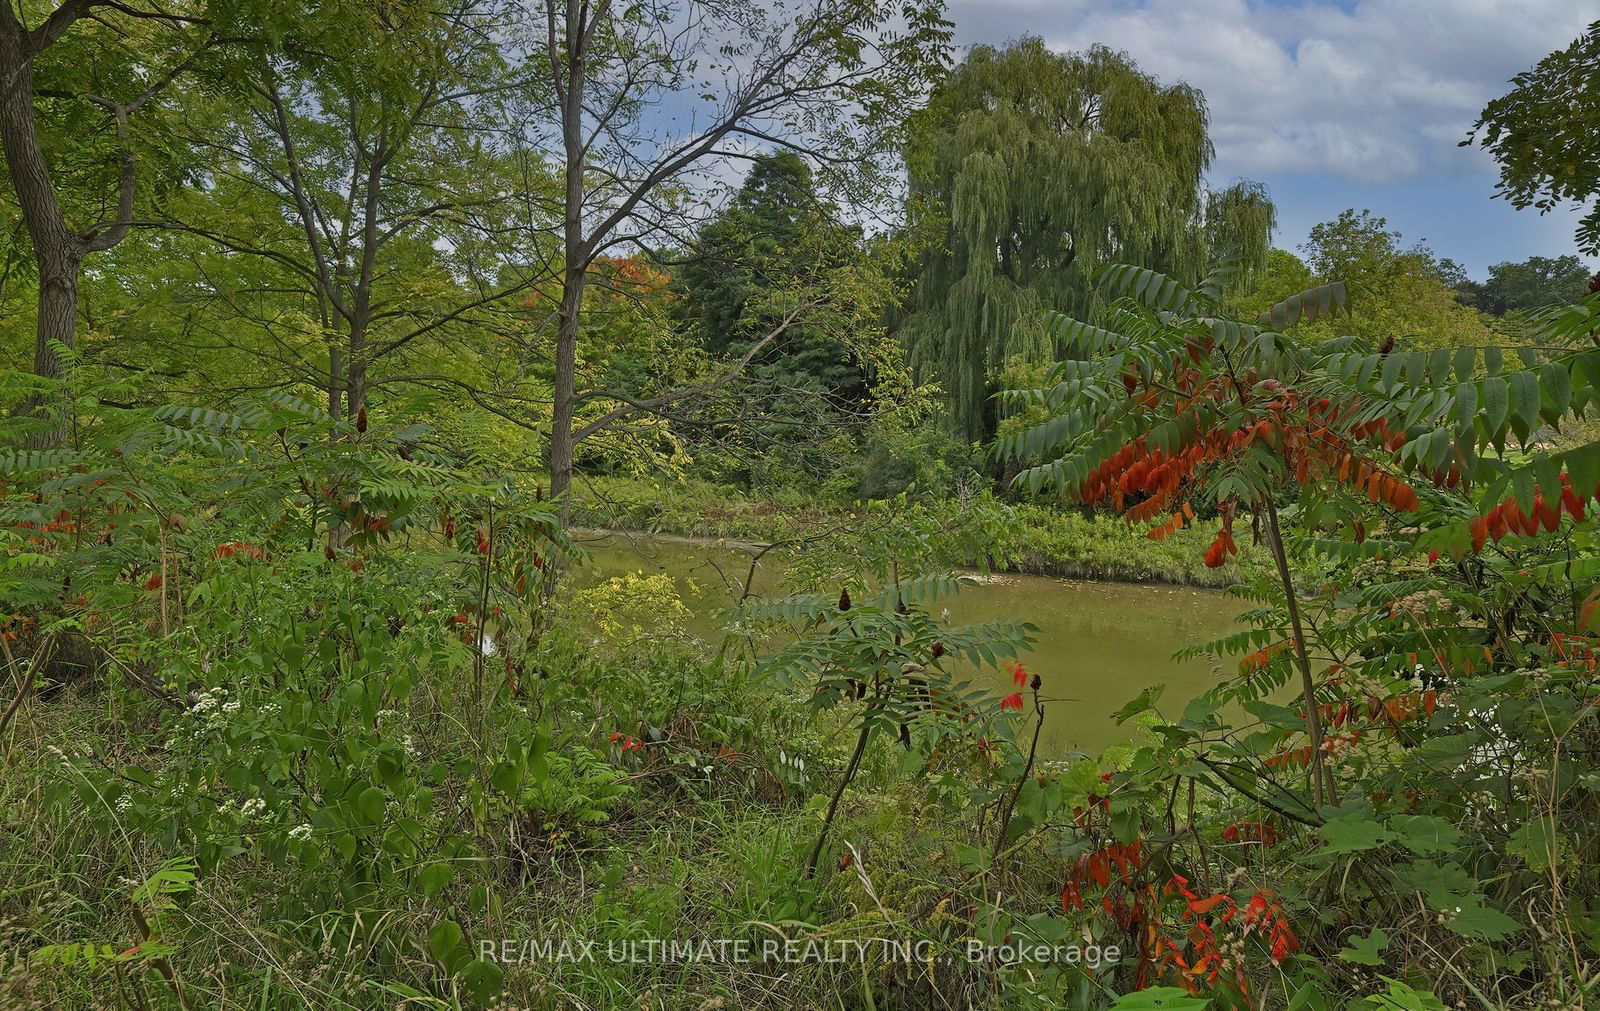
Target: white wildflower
[(206, 701), (300, 832)]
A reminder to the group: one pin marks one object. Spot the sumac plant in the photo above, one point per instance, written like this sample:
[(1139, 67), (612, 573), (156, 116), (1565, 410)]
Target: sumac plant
[(1424, 801), (898, 672), (284, 679)]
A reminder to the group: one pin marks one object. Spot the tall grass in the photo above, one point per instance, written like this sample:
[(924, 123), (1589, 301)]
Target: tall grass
[(690, 855)]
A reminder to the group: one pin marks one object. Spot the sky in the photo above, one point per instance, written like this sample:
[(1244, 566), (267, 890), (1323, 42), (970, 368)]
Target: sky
[(1334, 105)]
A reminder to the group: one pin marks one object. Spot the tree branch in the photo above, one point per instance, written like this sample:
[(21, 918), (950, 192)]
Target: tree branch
[(652, 404)]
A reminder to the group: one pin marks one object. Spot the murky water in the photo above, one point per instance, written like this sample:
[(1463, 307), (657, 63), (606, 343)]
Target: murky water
[(1098, 644)]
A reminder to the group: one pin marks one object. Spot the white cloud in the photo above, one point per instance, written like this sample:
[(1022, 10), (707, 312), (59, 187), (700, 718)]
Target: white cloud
[(1377, 91)]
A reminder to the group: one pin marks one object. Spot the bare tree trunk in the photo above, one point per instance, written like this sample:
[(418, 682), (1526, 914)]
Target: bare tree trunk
[(561, 441), (335, 381), (355, 394), (58, 251), (576, 264), (59, 265), (356, 389)]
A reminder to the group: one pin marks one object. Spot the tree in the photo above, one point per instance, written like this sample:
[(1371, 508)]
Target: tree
[(1361, 250), (1395, 292), (777, 242), (1545, 133), (831, 79), (118, 39), (356, 156), (1029, 168), (740, 252), (1281, 275), (1533, 283)]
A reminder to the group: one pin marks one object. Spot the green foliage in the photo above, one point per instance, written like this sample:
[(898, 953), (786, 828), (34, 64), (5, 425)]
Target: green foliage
[(1534, 283), (1407, 294), (634, 613), (578, 791), (306, 692), (1436, 663), (926, 461), (1030, 168), (281, 674), (1543, 134), (775, 275)]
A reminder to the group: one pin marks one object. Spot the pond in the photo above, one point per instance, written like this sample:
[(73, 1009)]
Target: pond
[(1098, 644)]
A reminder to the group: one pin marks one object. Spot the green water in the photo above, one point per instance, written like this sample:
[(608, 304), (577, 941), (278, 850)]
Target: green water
[(1098, 644)]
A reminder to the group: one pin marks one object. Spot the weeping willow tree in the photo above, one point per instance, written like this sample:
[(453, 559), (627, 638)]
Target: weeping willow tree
[(1030, 168)]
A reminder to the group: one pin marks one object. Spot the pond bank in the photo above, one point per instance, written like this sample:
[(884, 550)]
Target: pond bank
[(1132, 571), (1046, 540)]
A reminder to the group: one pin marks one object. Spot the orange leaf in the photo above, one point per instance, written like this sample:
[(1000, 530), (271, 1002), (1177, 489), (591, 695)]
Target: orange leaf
[(1201, 907)]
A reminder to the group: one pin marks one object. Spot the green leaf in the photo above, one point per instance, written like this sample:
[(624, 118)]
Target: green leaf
[(1466, 407), (1309, 305), (1160, 998), (1485, 923), (1522, 488), (484, 978), (444, 940), (434, 877), (1145, 700), (1308, 998), (506, 777), (1354, 833), (1583, 464), (1366, 950), (1536, 843), (1496, 404), (369, 805), (1274, 715), (1524, 403), (1556, 386), (1402, 997), (1425, 834), (1390, 377)]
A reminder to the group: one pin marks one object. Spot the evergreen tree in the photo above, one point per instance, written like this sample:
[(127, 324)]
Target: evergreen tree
[(779, 243), (750, 247)]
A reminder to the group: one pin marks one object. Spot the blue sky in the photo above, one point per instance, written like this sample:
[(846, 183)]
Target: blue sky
[(1337, 104)]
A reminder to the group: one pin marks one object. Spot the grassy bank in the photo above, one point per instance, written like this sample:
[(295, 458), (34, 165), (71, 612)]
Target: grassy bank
[(681, 802), (1046, 541)]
